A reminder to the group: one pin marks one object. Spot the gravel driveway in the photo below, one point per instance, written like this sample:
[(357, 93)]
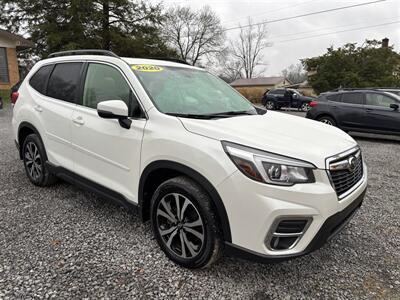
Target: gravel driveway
[(62, 242)]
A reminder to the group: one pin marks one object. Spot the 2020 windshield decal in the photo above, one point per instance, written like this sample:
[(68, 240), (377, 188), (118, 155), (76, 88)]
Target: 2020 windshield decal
[(147, 68)]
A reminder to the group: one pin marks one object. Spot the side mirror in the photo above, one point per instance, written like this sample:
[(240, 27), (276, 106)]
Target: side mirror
[(394, 106), (114, 109)]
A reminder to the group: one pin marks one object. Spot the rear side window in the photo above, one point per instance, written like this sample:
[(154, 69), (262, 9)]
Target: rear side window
[(352, 98), (334, 97), (64, 81), (39, 79), (277, 92)]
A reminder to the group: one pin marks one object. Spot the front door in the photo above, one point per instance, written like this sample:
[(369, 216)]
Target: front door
[(104, 152), (379, 115)]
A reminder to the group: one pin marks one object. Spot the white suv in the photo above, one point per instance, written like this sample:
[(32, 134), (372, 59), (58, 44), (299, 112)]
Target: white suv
[(211, 171)]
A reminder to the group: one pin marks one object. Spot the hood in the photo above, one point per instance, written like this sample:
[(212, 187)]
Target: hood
[(278, 133)]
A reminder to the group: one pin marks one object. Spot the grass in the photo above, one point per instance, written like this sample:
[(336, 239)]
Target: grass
[(5, 95)]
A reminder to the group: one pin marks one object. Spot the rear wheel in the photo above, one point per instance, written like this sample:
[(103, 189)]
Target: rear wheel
[(327, 120), (305, 107), (34, 157), (185, 224), (270, 105)]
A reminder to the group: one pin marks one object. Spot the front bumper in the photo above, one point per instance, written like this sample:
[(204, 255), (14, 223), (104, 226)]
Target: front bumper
[(332, 226), (253, 208)]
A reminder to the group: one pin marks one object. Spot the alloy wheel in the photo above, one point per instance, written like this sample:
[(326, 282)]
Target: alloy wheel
[(270, 105), (180, 225), (305, 107), (33, 161), (326, 121)]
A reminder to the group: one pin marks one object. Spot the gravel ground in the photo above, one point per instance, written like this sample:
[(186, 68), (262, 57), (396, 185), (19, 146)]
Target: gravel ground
[(62, 242)]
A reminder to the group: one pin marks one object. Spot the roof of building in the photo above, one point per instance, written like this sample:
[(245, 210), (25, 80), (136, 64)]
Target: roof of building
[(258, 81), (20, 41)]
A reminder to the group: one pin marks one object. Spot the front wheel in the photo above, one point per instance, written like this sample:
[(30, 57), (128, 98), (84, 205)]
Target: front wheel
[(184, 223), (327, 120), (270, 105)]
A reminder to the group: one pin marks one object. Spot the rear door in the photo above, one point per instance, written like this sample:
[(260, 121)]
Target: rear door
[(54, 99), (104, 152), (379, 115), (349, 112)]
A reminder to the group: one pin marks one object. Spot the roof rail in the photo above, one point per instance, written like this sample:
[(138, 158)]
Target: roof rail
[(352, 89), (177, 60), (83, 52)]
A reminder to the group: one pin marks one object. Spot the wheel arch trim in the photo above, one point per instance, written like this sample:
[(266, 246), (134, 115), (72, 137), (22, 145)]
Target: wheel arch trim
[(196, 176), (33, 128)]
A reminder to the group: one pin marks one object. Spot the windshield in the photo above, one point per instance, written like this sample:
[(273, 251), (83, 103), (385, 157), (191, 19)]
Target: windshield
[(176, 90)]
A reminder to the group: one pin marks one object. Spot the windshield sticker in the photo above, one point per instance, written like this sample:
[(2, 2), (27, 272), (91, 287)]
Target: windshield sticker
[(146, 68)]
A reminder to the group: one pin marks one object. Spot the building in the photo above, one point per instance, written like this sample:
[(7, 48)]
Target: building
[(304, 87), (9, 45), (254, 88)]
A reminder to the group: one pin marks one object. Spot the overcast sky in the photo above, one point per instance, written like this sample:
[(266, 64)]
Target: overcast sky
[(284, 52)]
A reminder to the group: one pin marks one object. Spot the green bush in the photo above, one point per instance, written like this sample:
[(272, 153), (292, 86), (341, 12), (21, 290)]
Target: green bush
[(5, 95)]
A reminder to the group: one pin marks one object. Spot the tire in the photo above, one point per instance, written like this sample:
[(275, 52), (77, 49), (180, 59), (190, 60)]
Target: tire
[(305, 107), (327, 120), (270, 105), (196, 246), (34, 158)]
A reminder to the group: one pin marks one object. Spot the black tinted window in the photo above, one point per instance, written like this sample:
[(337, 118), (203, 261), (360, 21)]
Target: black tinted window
[(38, 80), (334, 97), (277, 92), (352, 98), (63, 82)]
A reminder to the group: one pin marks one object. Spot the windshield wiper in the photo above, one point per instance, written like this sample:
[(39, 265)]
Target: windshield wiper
[(233, 113), (224, 114), (192, 116)]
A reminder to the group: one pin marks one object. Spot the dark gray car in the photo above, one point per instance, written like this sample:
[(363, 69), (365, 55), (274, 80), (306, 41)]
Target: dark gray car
[(374, 111)]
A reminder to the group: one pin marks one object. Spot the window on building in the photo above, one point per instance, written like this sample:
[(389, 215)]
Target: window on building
[(4, 77)]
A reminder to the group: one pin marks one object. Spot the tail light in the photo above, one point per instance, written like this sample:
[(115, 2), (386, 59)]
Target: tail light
[(313, 103), (14, 97)]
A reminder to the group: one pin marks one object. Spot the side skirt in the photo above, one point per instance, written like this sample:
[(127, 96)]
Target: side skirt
[(91, 186)]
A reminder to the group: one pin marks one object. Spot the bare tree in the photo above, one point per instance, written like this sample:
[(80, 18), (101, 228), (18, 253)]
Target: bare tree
[(248, 50), (194, 34), (295, 73)]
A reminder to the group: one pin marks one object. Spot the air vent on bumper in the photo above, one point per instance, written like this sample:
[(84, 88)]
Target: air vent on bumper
[(286, 233)]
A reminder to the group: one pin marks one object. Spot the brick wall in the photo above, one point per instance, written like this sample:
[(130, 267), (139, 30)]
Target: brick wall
[(12, 69)]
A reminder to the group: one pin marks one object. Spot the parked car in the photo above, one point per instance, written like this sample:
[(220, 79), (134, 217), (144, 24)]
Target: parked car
[(361, 110), (278, 98), (190, 154)]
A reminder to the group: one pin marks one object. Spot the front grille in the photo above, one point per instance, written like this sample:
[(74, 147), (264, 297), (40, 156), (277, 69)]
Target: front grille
[(346, 172)]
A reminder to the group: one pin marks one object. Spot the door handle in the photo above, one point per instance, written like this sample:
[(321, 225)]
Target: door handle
[(38, 108), (78, 120), (368, 110)]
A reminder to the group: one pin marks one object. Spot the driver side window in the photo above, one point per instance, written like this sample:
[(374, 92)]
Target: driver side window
[(378, 100), (103, 83)]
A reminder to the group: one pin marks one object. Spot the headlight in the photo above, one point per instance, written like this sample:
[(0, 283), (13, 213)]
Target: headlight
[(268, 167)]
